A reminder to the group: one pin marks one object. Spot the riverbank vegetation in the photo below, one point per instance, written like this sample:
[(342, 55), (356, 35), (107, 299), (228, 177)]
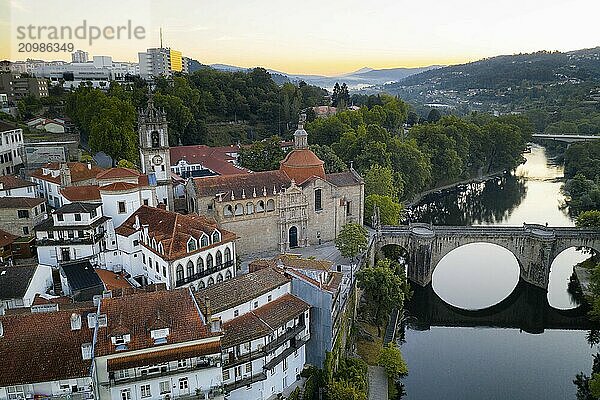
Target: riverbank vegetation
[(582, 170)]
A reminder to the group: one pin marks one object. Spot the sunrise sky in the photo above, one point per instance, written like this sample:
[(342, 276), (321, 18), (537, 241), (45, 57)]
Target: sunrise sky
[(316, 36)]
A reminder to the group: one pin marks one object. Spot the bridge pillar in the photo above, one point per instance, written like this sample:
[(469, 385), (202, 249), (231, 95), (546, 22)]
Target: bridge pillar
[(419, 262), (537, 261)]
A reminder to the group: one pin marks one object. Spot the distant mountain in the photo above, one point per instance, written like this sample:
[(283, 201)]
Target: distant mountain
[(361, 78), (502, 83)]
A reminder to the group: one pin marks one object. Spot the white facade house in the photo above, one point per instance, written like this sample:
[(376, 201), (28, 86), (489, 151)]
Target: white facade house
[(11, 186), (20, 284), (156, 345), (11, 145), (75, 231), (266, 329), (160, 246)]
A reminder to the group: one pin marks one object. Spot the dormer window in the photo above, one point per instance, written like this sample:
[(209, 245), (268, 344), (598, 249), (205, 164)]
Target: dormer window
[(160, 335), (192, 245), (60, 217), (204, 241), (120, 341), (216, 237)]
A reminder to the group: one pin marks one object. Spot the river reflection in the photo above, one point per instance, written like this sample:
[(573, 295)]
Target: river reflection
[(531, 344)]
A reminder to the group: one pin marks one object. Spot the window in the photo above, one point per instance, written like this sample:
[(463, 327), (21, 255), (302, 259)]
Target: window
[(145, 202), (285, 364), (236, 313), (80, 234), (238, 371), (228, 210), (15, 392), (239, 209), (77, 217), (216, 237), (260, 206), (348, 208), (25, 230), (121, 207), (219, 258), (93, 214), (318, 200), (23, 213), (122, 374), (137, 243), (156, 267), (50, 235), (145, 391), (126, 394), (192, 245), (182, 363), (249, 367), (204, 241), (179, 273), (190, 268), (209, 262), (272, 371), (296, 353), (183, 384), (269, 297), (165, 387), (227, 254), (271, 205), (226, 375), (256, 304), (164, 271), (249, 208)]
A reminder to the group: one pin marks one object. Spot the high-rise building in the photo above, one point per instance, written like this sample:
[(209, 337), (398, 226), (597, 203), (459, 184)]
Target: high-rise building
[(80, 56), (162, 61)]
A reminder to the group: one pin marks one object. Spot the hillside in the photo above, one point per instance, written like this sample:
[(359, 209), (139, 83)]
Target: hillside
[(503, 83)]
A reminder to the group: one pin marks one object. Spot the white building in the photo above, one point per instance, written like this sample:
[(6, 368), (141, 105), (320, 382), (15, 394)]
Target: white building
[(161, 62), (75, 231), (160, 246), (20, 284), (156, 345), (11, 186), (11, 144), (80, 56), (266, 329), (47, 353)]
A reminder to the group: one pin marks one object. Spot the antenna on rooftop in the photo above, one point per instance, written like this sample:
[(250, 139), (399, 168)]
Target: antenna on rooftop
[(161, 42)]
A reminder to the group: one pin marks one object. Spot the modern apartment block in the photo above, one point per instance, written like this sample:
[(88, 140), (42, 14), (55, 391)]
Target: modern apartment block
[(11, 147)]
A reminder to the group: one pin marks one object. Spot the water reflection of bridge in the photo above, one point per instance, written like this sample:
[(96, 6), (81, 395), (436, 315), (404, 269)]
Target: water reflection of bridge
[(526, 308)]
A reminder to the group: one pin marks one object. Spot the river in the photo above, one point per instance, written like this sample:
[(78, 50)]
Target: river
[(532, 344)]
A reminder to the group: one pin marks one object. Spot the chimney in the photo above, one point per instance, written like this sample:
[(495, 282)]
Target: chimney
[(162, 206), (89, 165), (75, 322), (86, 351)]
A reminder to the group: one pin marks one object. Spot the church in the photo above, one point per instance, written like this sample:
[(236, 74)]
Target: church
[(297, 205)]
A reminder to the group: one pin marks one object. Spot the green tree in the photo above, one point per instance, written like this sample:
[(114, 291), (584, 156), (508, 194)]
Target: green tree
[(262, 156), (434, 115), (384, 291), (342, 390), (588, 219), (391, 359), (352, 240), (389, 211), (333, 163), (380, 181)]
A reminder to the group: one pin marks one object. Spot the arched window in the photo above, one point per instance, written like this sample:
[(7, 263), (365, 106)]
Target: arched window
[(200, 265), (179, 273), (228, 210), (318, 200), (204, 241), (227, 274), (211, 281), (227, 254), (155, 139), (192, 245), (260, 206), (190, 268), (216, 237), (219, 258), (239, 209), (271, 205), (219, 278), (249, 208), (209, 262), (201, 285)]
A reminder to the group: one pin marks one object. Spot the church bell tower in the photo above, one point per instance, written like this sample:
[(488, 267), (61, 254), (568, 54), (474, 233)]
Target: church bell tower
[(154, 151)]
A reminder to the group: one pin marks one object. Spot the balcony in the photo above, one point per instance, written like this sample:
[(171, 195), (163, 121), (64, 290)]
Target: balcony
[(162, 371), (295, 345), (245, 382), (206, 272), (62, 241), (281, 339)]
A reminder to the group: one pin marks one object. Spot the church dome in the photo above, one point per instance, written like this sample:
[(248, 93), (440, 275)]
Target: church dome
[(301, 164)]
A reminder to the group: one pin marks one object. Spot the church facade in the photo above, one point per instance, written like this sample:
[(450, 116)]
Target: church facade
[(297, 205)]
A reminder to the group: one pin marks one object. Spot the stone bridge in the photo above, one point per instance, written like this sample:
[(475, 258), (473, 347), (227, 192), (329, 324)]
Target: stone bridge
[(534, 246), (567, 137)]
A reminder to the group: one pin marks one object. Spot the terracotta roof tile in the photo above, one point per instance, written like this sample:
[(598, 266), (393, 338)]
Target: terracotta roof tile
[(227, 294), (118, 172), (12, 182), (302, 164), (81, 193), (6, 238), (173, 230), (79, 172), (118, 186), (20, 202), (248, 185), (213, 158), (47, 341), (112, 280), (134, 313)]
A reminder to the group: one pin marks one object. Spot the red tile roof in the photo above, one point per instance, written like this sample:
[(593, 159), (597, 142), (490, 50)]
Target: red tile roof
[(81, 193), (6, 238), (12, 182), (257, 183), (79, 172), (41, 347), (118, 186), (173, 230), (302, 164), (111, 279), (20, 202), (213, 158), (136, 314)]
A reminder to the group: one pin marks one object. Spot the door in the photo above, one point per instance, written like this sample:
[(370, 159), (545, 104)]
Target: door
[(65, 254), (183, 386), (293, 237)]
